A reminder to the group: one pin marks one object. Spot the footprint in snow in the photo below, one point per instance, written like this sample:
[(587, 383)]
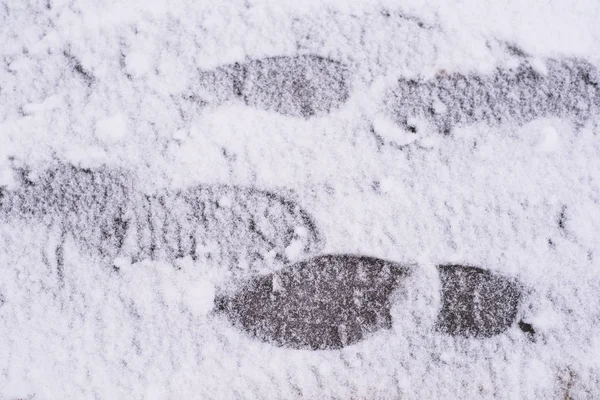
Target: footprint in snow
[(301, 86), (557, 88), (327, 302), (476, 303), (333, 301), (235, 226)]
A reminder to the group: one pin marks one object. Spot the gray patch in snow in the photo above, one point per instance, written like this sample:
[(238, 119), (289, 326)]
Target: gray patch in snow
[(301, 86), (566, 89), (475, 302), (327, 302)]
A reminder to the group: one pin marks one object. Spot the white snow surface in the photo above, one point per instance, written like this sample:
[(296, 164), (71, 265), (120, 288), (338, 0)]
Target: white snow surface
[(485, 196)]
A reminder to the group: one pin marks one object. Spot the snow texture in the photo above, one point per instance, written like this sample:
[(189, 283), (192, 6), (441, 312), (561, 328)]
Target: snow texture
[(164, 163)]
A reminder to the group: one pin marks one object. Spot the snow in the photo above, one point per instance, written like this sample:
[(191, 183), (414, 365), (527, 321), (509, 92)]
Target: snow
[(112, 128), (118, 84), (301, 231), (549, 140), (224, 202), (200, 297), (392, 132), (293, 250), (48, 104), (439, 107), (539, 66), (428, 142), (138, 64)]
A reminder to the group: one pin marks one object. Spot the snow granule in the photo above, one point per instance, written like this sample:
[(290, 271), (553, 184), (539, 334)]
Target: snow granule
[(112, 129), (392, 133), (549, 140), (294, 249), (200, 297), (138, 64)]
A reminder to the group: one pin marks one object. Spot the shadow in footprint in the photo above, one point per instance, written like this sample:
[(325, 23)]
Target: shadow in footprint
[(560, 88), (302, 86), (327, 302), (476, 303), (235, 226)]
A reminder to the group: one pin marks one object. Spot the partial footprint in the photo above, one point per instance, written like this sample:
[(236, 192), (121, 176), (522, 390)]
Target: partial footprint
[(557, 88), (327, 302), (476, 303), (302, 86), (236, 227), (92, 205), (242, 227)]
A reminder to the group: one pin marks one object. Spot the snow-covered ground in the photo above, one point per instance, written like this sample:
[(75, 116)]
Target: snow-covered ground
[(118, 84)]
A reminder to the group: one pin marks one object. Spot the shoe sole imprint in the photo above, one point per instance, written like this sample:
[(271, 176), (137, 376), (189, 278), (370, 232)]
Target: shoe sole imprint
[(324, 303), (300, 86), (333, 301), (569, 88), (99, 208), (475, 302)]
